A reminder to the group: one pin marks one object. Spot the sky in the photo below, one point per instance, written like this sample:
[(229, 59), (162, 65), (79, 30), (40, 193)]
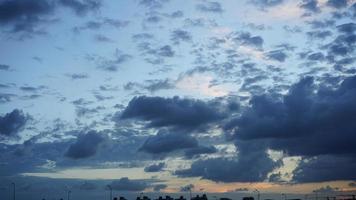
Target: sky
[(225, 97)]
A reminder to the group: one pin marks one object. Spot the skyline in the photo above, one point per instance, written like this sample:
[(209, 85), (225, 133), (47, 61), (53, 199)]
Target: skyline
[(160, 96)]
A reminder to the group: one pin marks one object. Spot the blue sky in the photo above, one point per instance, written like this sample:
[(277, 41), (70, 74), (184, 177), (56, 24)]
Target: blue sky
[(161, 95)]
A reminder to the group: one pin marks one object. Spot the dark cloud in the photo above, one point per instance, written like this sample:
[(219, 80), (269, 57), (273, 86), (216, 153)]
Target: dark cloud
[(6, 97), (155, 167), (347, 28), (4, 67), (27, 18), (311, 120), (110, 64), (321, 121), (174, 112), (266, 3), (98, 24), (166, 51), (159, 187), (316, 56), (22, 15), (31, 88), (179, 35), (246, 39), (187, 188), (87, 186), (310, 5), (316, 24), (326, 189), (82, 7), (250, 166), (151, 85), (13, 122), (125, 184), (278, 55), (166, 142), (319, 34), (78, 76), (103, 38), (210, 6), (153, 4), (85, 146), (193, 152), (241, 190), (337, 3), (325, 168)]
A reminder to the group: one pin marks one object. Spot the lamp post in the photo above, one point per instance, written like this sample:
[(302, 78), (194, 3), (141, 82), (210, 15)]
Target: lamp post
[(258, 194), (110, 188), (190, 193), (14, 190), (285, 196), (68, 194)]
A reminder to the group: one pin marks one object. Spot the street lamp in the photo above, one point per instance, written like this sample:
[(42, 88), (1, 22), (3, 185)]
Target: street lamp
[(285, 196), (68, 194), (110, 188), (190, 193), (14, 190), (258, 194)]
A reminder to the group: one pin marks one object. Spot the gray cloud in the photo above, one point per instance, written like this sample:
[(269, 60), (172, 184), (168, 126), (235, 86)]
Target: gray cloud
[(85, 146), (12, 123), (125, 184), (155, 167), (166, 142)]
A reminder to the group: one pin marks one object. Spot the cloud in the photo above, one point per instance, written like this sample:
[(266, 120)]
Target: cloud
[(159, 187), (241, 190), (125, 184), (174, 112), (246, 39), (153, 4), (85, 146), (337, 3), (4, 67), (98, 24), (197, 151), (277, 55), (326, 189), (81, 7), (166, 51), (110, 64), (302, 117), (325, 168), (252, 164), (24, 15), (187, 188), (310, 121), (352, 184), (179, 35), (266, 3), (166, 142), (87, 186), (19, 16), (310, 5), (76, 76), (210, 6), (155, 167), (12, 123)]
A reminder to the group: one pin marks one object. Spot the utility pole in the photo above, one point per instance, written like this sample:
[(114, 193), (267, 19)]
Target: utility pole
[(14, 190)]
